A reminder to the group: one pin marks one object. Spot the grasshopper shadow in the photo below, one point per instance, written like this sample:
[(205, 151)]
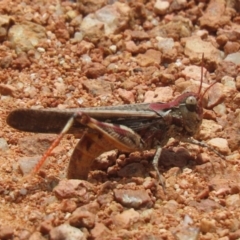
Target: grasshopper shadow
[(141, 166), (175, 157)]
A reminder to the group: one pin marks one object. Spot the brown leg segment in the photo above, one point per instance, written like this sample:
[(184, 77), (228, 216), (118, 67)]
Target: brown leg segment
[(87, 149)]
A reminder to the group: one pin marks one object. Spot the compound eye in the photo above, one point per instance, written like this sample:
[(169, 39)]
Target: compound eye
[(191, 103), (191, 100)]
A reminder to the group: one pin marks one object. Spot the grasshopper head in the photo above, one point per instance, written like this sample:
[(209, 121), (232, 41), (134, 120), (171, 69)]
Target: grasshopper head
[(191, 112), (191, 107), (185, 112)]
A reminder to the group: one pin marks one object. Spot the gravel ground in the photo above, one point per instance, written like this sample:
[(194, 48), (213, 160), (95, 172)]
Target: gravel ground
[(67, 54)]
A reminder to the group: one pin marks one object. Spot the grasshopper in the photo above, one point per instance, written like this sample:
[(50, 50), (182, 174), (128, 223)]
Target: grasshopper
[(134, 127)]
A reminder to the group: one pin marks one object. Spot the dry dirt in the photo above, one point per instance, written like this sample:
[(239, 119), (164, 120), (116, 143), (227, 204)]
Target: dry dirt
[(67, 54)]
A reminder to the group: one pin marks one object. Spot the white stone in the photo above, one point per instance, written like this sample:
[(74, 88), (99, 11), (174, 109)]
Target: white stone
[(67, 232), (113, 48), (161, 7), (165, 44), (221, 144), (26, 164), (41, 50), (233, 57), (3, 144)]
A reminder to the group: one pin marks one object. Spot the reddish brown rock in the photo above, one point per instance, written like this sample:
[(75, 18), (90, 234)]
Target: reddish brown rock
[(182, 85), (231, 133), (24, 234), (21, 61), (6, 89), (238, 83), (226, 68), (100, 230), (6, 232), (161, 94), (144, 61), (209, 114), (131, 46), (203, 158), (68, 205), (6, 61), (46, 227), (215, 15), (237, 99), (219, 185), (205, 205), (105, 199), (36, 144), (233, 200), (168, 48), (61, 31), (216, 95), (83, 190), (89, 6), (231, 47), (126, 96), (105, 160), (177, 28), (94, 70), (83, 47), (129, 84), (194, 72), (171, 206), (139, 35), (126, 219), (92, 28), (177, 5), (167, 78), (81, 218), (98, 87), (133, 198), (232, 33), (151, 57), (230, 92), (208, 129), (5, 23), (36, 236), (208, 225), (222, 39), (194, 49), (234, 235), (155, 55), (85, 216)]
